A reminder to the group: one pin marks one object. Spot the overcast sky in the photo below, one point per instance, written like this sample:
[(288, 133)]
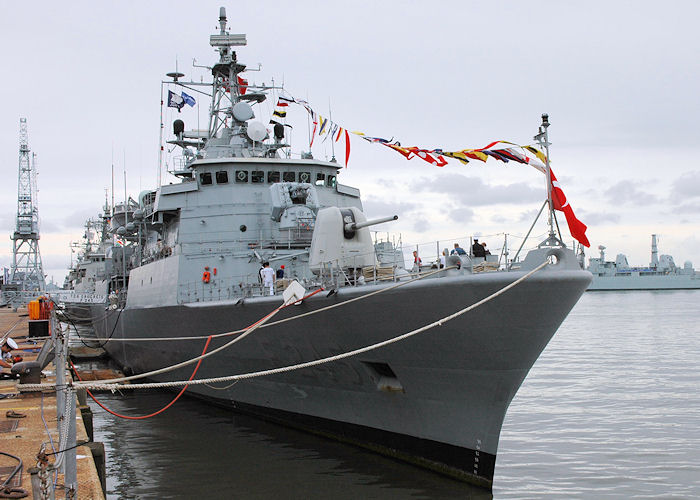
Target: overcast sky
[(619, 80)]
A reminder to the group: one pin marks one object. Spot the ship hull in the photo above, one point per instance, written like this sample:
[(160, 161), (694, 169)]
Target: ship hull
[(437, 399), (657, 282)]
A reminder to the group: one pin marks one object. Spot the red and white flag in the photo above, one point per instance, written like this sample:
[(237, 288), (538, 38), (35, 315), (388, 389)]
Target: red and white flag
[(576, 227)]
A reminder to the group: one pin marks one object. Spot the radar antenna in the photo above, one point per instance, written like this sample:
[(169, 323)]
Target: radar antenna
[(227, 88)]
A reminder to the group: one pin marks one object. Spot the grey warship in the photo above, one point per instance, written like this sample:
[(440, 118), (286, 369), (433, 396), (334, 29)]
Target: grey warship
[(662, 273), (195, 249)]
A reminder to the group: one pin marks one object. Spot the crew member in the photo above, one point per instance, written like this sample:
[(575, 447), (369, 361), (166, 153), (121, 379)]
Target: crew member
[(7, 346), (417, 262), (458, 250), (477, 249), (268, 277)]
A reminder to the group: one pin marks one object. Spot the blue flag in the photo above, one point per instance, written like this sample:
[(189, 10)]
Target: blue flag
[(175, 101), (189, 99)]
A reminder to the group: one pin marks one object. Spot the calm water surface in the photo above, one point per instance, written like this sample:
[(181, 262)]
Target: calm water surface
[(610, 410)]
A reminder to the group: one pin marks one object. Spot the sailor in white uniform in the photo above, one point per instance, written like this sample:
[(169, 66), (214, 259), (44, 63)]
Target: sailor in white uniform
[(268, 278), (7, 347)]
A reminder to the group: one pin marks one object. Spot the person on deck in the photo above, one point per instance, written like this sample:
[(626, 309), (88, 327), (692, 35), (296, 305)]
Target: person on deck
[(268, 278), (417, 262), (7, 346), (477, 249), (280, 272), (458, 250)]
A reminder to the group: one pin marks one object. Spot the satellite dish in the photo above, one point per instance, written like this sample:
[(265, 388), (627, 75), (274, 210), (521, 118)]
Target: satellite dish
[(256, 131), (242, 111)]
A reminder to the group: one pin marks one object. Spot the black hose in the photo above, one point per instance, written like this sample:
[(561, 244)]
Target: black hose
[(100, 345), (14, 472), (77, 445)]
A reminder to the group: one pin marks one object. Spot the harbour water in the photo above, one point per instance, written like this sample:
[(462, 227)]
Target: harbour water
[(610, 410)]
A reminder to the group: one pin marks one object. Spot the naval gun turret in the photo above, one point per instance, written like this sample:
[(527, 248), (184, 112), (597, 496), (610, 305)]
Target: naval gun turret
[(341, 239)]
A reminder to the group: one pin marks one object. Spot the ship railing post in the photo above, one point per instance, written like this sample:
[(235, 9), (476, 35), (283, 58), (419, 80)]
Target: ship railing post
[(70, 460), (354, 270), (60, 365), (437, 249)]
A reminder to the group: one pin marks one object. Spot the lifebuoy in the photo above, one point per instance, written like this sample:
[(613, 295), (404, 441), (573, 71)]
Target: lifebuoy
[(206, 276)]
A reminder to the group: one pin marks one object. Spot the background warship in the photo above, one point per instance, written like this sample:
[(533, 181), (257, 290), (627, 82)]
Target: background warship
[(189, 271), (661, 274)]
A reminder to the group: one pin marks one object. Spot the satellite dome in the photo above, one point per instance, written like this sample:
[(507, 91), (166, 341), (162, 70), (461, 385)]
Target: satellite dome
[(257, 131), (242, 111)]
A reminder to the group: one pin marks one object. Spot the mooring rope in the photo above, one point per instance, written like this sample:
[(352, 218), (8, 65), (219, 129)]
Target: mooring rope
[(112, 386), (244, 376)]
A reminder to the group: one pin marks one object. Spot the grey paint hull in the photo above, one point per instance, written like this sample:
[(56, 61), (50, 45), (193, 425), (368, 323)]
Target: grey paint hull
[(667, 282), (452, 384)]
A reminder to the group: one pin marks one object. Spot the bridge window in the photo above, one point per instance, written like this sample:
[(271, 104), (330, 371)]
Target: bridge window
[(241, 176), (320, 179), (257, 176), (330, 181), (304, 176), (205, 178), (273, 177), (289, 176), (222, 177)]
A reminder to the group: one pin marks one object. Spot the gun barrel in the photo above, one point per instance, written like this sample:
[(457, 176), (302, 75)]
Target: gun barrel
[(352, 226)]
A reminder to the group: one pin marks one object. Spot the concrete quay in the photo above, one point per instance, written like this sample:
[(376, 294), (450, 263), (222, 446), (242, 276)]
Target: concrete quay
[(28, 424)]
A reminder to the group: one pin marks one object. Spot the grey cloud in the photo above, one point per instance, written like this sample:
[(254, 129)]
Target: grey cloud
[(54, 261), (462, 215), (421, 225), (7, 223), (374, 207), (599, 218), (387, 183), (628, 192), (77, 218), (687, 208), (473, 191), (686, 186), (49, 225), (528, 216)]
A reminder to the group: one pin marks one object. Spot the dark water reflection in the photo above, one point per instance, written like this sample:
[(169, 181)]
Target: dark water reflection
[(197, 451)]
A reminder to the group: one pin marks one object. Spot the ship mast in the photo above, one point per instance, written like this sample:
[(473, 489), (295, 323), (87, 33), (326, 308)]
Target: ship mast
[(226, 89), (543, 139)]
